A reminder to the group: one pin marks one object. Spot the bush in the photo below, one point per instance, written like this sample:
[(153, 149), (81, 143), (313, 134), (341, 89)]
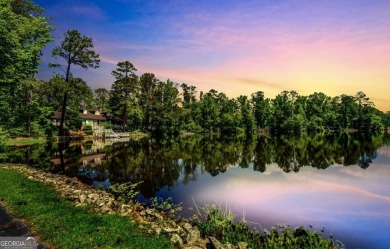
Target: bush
[(4, 137), (88, 129), (37, 130), (125, 192), (106, 125), (220, 224)]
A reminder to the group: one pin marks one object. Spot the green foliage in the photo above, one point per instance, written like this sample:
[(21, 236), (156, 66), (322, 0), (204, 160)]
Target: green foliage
[(220, 224), (4, 137), (261, 109), (63, 225), (123, 91), (73, 119), (106, 125), (75, 50), (144, 102), (88, 129), (376, 123), (248, 121), (101, 98), (51, 92), (166, 206), (386, 119), (80, 94), (126, 192), (300, 237), (24, 33)]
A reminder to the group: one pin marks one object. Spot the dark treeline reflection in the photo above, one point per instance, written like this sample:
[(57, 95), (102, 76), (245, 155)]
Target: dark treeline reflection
[(166, 163)]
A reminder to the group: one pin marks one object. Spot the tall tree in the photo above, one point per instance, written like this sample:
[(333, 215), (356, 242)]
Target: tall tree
[(148, 83), (362, 121), (51, 92), (124, 87), (80, 94), (101, 97), (165, 112), (24, 32), (386, 120), (210, 110), (75, 50), (347, 110), (261, 109), (248, 121)]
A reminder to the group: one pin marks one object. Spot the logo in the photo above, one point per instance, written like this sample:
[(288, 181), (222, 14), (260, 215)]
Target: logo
[(18, 243)]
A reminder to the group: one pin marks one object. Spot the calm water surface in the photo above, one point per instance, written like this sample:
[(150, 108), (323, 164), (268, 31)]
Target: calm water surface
[(340, 182)]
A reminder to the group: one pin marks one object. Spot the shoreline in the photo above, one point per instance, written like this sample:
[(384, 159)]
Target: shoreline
[(100, 202), (182, 233)]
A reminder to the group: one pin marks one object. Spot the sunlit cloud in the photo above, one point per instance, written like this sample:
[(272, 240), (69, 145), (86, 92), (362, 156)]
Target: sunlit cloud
[(243, 47)]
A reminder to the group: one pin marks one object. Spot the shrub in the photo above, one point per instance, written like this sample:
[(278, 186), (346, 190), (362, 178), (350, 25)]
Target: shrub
[(88, 129), (125, 192), (219, 223), (37, 130), (4, 137), (106, 125)]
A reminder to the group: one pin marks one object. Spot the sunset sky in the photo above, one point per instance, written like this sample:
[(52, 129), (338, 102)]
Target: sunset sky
[(237, 47)]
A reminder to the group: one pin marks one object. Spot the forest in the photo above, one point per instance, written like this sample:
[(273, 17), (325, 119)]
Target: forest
[(143, 102)]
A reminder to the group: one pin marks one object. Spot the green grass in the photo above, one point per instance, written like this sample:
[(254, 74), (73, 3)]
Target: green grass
[(25, 141), (219, 224), (63, 225)]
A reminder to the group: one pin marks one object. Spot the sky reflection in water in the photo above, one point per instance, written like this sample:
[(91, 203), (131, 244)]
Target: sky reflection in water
[(352, 203), (339, 181)]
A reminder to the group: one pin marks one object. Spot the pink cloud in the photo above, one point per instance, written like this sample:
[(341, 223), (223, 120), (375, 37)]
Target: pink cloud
[(245, 50)]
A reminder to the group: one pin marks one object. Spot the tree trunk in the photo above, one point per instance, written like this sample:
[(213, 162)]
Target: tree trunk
[(61, 131), (30, 97), (124, 115)]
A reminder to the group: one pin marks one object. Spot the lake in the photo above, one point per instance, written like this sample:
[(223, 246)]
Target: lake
[(339, 183)]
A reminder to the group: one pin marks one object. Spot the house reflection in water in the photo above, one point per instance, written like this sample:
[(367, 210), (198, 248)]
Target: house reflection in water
[(92, 160), (85, 153)]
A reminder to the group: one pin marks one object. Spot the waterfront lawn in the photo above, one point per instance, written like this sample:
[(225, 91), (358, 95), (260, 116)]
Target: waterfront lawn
[(25, 141), (63, 225)]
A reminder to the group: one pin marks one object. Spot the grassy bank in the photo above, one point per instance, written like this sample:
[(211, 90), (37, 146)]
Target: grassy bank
[(25, 141), (62, 225)]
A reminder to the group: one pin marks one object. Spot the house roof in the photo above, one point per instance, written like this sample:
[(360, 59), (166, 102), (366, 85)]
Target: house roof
[(88, 116), (57, 115)]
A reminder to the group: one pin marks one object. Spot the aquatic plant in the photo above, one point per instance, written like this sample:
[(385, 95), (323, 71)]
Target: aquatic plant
[(125, 192), (166, 206), (218, 222)]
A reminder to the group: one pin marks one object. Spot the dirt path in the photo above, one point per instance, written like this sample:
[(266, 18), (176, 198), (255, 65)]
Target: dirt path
[(11, 227)]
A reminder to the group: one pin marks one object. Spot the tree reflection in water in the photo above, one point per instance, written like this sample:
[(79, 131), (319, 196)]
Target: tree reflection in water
[(161, 163)]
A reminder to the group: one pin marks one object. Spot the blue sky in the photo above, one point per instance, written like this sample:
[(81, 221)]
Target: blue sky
[(238, 47)]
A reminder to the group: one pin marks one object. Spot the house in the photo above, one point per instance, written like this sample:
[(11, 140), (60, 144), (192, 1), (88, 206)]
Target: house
[(92, 117)]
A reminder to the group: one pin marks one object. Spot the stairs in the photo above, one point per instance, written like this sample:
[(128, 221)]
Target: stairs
[(99, 132)]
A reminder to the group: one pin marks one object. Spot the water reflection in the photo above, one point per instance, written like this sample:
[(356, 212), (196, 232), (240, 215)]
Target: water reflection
[(159, 163), (339, 181)]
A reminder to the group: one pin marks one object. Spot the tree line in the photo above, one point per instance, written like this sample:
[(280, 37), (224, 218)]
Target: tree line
[(149, 104), (143, 102), (161, 163)]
